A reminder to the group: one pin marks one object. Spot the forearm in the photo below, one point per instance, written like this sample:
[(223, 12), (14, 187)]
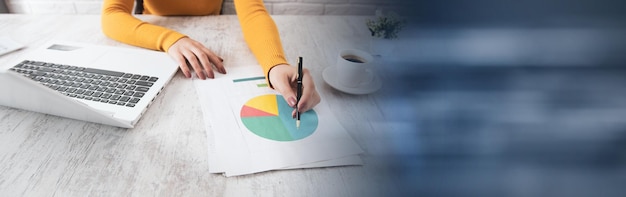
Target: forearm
[(120, 25), (260, 33)]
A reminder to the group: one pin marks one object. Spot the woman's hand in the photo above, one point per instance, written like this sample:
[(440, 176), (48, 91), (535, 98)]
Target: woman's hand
[(284, 79), (188, 52)]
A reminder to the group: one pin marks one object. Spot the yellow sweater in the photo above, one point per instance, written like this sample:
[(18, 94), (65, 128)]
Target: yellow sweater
[(259, 29)]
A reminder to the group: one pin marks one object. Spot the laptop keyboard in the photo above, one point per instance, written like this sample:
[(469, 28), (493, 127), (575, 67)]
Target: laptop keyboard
[(116, 88)]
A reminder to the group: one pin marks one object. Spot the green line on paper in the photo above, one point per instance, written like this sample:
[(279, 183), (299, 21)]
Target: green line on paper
[(248, 79)]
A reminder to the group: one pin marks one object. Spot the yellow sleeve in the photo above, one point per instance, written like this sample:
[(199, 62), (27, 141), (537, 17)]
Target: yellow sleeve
[(260, 33), (120, 25)]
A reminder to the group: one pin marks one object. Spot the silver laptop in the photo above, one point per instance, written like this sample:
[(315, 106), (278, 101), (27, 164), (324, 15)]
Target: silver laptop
[(102, 84)]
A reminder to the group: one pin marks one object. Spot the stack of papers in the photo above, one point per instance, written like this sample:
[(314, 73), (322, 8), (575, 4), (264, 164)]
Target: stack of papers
[(250, 129)]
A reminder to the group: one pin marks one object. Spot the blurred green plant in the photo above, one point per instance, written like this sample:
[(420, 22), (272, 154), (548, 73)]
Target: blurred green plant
[(386, 26)]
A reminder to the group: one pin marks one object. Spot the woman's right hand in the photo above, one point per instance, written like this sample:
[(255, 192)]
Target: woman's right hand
[(190, 53)]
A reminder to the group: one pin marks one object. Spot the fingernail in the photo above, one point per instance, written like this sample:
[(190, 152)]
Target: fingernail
[(291, 101)]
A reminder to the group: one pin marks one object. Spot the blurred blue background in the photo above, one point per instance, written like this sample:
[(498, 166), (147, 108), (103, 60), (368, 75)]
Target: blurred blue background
[(509, 98)]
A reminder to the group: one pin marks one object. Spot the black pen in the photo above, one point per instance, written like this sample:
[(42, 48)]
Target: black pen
[(299, 92)]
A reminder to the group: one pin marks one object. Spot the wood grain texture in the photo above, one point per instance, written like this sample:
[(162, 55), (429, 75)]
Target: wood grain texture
[(166, 154)]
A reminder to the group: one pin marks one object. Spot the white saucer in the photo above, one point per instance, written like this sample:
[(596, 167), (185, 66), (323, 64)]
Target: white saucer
[(363, 88)]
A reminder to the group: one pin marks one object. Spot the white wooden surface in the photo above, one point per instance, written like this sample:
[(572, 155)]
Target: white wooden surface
[(165, 155)]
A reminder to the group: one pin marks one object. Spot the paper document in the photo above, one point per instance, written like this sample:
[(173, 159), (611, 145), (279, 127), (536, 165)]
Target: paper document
[(250, 129)]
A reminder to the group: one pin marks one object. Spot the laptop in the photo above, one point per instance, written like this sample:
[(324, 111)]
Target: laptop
[(101, 84)]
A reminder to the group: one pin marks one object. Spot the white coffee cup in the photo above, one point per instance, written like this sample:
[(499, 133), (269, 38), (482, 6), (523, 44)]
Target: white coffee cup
[(354, 67)]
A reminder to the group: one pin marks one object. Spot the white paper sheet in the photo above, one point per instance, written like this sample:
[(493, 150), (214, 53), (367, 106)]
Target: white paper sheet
[(235, 149)]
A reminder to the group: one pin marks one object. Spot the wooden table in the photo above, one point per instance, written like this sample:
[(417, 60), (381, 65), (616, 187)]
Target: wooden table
[(166, 154)]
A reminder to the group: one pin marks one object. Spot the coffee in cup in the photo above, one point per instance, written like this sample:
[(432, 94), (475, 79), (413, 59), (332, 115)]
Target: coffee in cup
[(354, 67), (353, 58)]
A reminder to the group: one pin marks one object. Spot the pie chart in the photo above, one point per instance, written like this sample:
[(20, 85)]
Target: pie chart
[(269, 116)]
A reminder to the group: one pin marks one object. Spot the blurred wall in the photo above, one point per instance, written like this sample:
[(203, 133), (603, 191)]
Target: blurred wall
[(278, 7)]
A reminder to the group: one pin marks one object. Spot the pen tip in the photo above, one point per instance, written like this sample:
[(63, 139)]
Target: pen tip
[(298, 124)]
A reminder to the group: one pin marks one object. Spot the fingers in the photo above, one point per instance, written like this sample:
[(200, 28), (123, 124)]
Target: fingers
[(214, 60), (208, 59), (310, 97), (286, 85), (190, 53), (284, 80), (182, 63), (196, 65)]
